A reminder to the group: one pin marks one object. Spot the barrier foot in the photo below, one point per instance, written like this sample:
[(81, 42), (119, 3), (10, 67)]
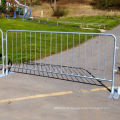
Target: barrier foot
[(116, 94), (2, 75)]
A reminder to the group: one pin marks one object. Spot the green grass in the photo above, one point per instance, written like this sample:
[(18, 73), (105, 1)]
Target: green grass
[(26, 25), (109, 21), (44, 45)]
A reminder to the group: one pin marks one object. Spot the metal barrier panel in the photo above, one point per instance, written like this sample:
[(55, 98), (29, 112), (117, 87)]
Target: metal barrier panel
[(1, 54), (71, 54)]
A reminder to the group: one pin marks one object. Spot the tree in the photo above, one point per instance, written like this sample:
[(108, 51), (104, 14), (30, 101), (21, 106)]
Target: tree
[(53, 4), (106, 4), (3, 6)]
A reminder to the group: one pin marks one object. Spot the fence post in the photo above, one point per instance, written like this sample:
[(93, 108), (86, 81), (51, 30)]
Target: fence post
[(114, 68), (3, 69), (6, 54)]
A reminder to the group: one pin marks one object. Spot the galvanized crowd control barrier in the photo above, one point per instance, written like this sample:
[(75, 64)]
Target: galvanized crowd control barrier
[(62, 54)]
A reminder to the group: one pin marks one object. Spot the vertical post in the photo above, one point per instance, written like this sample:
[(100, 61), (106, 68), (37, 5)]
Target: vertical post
[(50, 52), (6, 54), (73, 42), (67, 53), (61, 54), (16, 50), (21, 50), (40, 53), (79, 53), (12, 46), (35, 50), (56, 50), (85, 52), (2, 53), (114, 62), (25, 53), (30, 52), (92, 51), (105, 56), (45, 49), (98, 51)]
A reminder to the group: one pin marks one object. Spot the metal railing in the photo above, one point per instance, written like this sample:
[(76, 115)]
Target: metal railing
[(2, 67), (62, 53)]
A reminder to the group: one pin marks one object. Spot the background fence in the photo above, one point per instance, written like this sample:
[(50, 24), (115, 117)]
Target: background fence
[(53, 21)]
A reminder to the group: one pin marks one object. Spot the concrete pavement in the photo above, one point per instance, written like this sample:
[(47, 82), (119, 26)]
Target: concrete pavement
[(30, 97)]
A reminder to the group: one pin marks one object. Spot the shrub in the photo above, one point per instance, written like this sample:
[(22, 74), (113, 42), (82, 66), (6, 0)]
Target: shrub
[(2, 15), (106, 4), (3, 6), (59, 12)]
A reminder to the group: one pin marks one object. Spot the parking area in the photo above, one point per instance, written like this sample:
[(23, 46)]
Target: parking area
[(31, 97)]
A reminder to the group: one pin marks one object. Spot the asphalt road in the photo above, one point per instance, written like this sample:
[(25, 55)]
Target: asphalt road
[(30, 97)]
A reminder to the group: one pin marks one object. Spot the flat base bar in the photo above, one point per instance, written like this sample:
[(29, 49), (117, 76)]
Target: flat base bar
[(61, 73)]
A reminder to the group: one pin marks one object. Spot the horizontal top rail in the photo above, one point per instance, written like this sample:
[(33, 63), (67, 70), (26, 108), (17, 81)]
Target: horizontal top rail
[(84, 33)]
